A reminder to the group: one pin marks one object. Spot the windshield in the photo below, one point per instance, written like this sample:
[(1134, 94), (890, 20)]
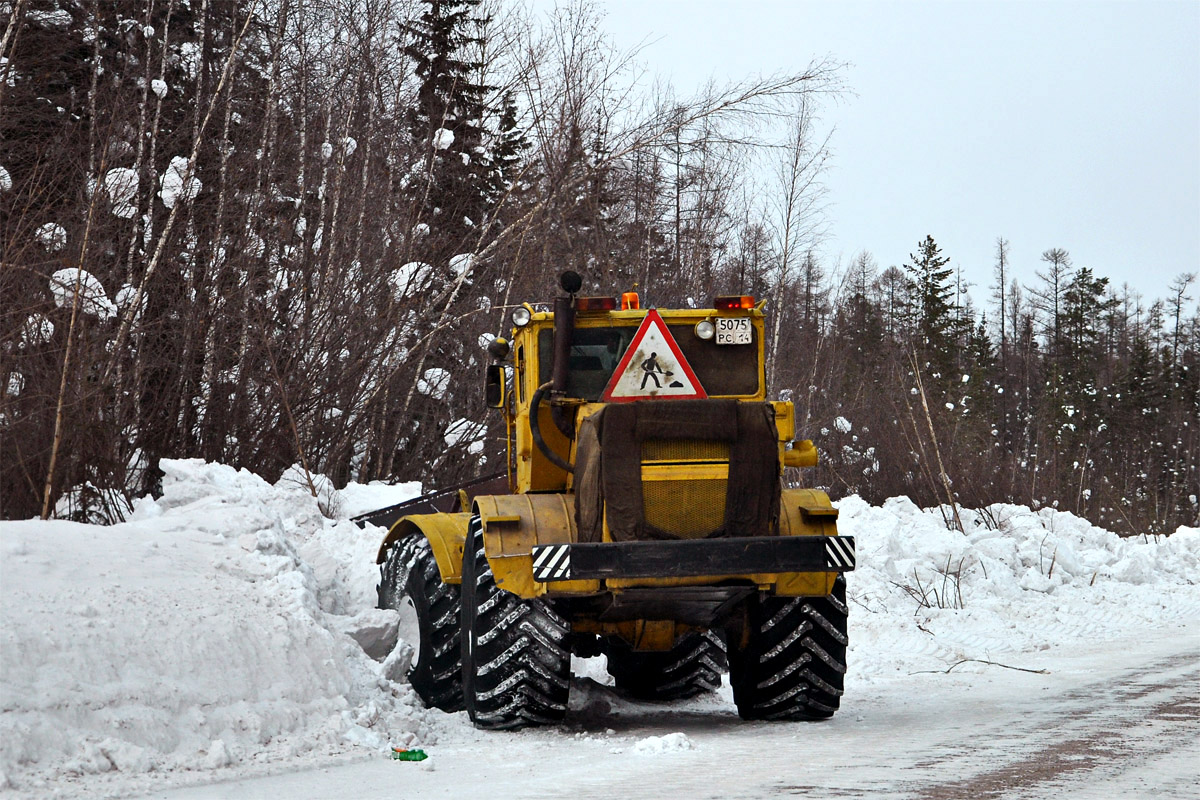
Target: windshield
[(723, 370)]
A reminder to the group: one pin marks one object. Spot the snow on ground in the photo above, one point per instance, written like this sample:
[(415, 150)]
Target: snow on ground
[(215, 629), (227, 630)]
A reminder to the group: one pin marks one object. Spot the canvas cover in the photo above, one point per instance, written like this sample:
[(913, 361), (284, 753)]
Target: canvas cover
[(609, 460)]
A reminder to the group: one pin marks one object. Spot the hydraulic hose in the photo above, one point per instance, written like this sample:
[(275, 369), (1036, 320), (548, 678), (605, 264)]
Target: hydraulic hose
[(536, 431)]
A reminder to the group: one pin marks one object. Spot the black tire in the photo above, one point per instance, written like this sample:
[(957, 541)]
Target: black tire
[(515, 655), (693, 666), (429, 609), (794, 665)]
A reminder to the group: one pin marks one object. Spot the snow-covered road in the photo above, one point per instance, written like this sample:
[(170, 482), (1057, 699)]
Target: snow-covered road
[(1120, 719)]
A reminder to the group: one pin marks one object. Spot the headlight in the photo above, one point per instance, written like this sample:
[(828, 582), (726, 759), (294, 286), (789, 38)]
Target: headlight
[(705, 329), (521, 317)]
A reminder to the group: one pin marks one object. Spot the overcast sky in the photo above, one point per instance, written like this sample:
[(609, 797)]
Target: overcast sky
[(1052, 124)]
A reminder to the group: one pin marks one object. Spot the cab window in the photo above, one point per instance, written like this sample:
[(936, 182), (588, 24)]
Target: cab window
[(723, 370)]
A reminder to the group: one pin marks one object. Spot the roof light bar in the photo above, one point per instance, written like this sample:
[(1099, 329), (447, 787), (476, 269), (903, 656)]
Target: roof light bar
[(732, 302), (595, 303)]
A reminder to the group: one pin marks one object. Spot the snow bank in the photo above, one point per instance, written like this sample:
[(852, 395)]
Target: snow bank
[(223, 625), (230, 628), (1017, 581)]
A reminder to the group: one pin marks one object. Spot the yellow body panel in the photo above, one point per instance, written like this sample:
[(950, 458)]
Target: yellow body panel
[(513, 524)]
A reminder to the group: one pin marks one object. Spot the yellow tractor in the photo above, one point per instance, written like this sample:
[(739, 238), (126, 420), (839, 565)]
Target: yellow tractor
[(642, 517)]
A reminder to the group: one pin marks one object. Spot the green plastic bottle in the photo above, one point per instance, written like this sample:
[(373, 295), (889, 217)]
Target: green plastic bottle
[(399, 754)]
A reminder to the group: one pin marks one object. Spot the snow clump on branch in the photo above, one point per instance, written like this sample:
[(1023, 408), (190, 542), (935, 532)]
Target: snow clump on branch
[(36, 330), (442, 138), (435, 383), (121, 184), (52, 236), (175, 188), (92, 297), (468, 432), (408, 278)]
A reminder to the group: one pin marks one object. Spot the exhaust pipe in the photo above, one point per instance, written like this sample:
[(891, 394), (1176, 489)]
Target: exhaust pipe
[(564, 330)]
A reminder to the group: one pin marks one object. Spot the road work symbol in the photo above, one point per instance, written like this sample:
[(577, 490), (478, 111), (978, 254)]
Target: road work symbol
[(653, 367)]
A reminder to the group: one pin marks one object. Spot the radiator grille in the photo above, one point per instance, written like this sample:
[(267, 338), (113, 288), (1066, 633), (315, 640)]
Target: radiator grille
[(688, 509), (684, 450)]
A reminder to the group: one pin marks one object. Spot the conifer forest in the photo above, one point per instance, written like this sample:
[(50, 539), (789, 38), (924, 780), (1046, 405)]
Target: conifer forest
[(281, 232)]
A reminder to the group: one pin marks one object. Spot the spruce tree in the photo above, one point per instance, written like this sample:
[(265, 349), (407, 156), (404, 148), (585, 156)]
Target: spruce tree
[(451, 191), (506, 182), (931, 300)]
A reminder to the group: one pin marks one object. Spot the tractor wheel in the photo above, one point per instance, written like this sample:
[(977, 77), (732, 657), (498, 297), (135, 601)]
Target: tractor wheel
[(693, 666), (795, 661), (515, 654), (412, 585)]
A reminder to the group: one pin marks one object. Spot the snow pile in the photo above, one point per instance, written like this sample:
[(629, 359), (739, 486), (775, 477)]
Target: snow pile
[(224, 624), (1017, 581)]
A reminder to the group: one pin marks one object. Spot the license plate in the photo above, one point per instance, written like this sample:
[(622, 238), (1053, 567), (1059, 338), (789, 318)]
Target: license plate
[(733, 330)]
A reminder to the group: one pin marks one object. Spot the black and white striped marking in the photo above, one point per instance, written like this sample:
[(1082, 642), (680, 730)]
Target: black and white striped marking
[(839, 553), (552, 562)]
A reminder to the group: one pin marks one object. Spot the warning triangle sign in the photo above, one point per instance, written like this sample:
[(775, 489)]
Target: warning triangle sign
[(653, 368)]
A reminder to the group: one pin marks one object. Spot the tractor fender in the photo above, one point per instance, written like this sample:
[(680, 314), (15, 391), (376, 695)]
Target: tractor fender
[(513, 524), (446, 534), (806, 512)]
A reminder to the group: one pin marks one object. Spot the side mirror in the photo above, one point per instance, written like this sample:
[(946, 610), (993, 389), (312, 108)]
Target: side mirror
[(495, 386)]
